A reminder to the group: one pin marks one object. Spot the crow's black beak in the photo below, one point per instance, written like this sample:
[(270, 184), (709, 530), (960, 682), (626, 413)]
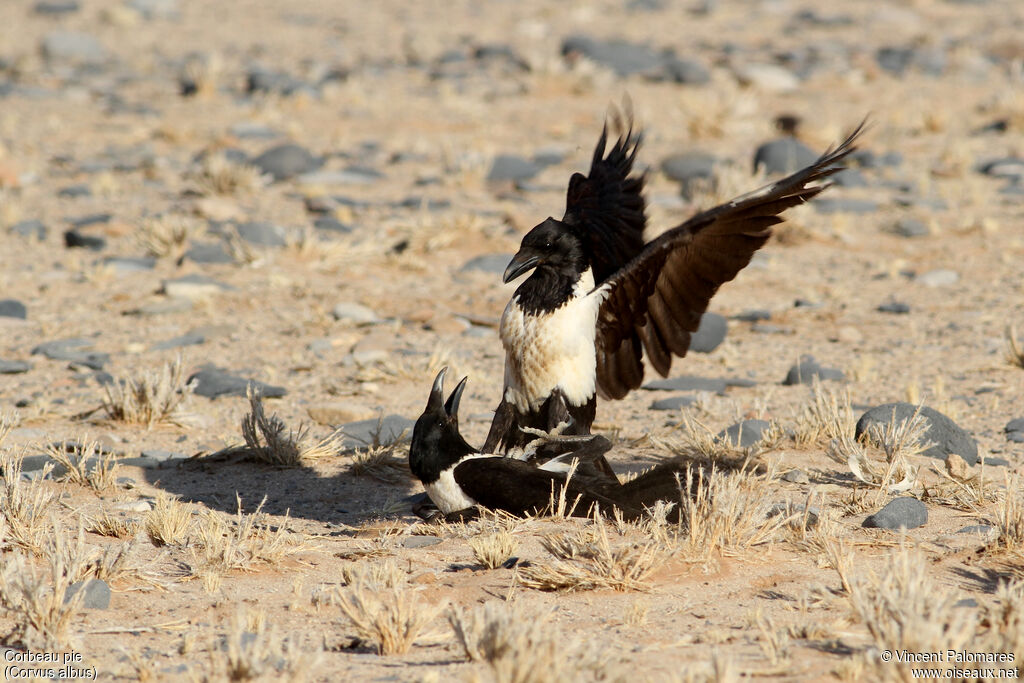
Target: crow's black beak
[(436, 400), (520, 263), (452, 406)]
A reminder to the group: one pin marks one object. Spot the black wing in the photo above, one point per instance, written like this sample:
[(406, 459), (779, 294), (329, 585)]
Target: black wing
[(520, 488), (657, 300), (606, 207)]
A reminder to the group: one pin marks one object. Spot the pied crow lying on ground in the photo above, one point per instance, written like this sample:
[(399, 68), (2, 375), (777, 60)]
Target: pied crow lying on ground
[(599, 298), (458, 478)]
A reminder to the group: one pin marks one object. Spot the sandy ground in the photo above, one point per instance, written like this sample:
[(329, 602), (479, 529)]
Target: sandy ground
[(122, 129)]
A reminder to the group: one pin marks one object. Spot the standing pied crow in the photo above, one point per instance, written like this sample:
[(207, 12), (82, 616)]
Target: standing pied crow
[(458, 478), (599, 298)]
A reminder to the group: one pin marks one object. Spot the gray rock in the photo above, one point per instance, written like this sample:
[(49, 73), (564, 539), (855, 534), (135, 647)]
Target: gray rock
[(940, 277), (1006, 167), (899, 513), (72, 47), (745, 433), (352, 175), (355, 313), (844, 205), (213, 382), (487, 263), (73, 239), (332, 225), (14, 367), (992, 461), (767, 77), (796, 477), (622, 57), (124, 264), (97, 593), (74, 191), (56, 7), (194, 286), (897, 307), (911, 227), (30, 228), (1015, 430), (785, 155), (896, 60), (807, 369), (262, 233), (687, 383), (208, 252), (798, 512), (983, 529), (187, 339), (12, 308), (262, 80), (72, 351), (687, 166), (155, 9), (850, 177), (710, 333), (508, 167), (420, 541), (91, 219), (251, 131), (686, 71), (673, 402), (947, 436), (287, 160), (753, 315), (382, 431)]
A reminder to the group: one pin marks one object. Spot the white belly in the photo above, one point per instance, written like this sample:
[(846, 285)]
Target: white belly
[(552, 350), (446, 494)]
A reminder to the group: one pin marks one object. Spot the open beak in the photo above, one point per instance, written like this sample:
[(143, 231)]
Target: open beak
[(436, 400), (452, 406), (520, 263)]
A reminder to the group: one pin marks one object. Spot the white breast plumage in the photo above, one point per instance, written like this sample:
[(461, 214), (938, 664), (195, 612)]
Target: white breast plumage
[(446, 493), (552, 350)]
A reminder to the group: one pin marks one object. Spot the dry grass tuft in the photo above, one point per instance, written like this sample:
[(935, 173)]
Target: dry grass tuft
[(828, 416), (155, 397), (250, 651), (373, 575), (85, 464), (390, 618), (493, 550), (169, 521), (389, 464), (25, 505), (269, 440), (115, 527), (1014, 352), (520, 645), (168, 235), (35, 601), (218, 175), (586, 561), (1010, 519)]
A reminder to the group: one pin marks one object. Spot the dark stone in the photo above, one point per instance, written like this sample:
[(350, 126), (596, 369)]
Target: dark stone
[(262, 233), (687, 383), (1005, 167), (11, 308), (56, 7), (74, 191), (71, 350), (74, 239), (622, 57), (507, 167), (673, 402), (382, 431), (850, 177), (187, 339), (487, 263), (899, 513), (30, 228), (865, 158), (155, 9), (983, 529), (844, 205), (992, 461), (947, 436), (785, 155), (740, 382), (72, 47), (261, 80), (97, 593), (1015, 430), (287, 160), (897, 307), (420, 541), (895, 60), (796, 477), (14, 367), (688, 166), (208, 252), (686, 71), (213, 382), (124, 264), (807, 369), (798, 512), (911, 227), (710, 333), (753, 315), (332, 225), (745, 433)]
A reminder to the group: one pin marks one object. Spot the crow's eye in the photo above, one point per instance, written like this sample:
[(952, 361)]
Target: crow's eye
[(547, 245)]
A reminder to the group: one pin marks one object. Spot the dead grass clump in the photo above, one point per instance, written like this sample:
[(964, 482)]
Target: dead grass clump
[(36, 600), (373, 575), (25, 505), (85, 464), (590, 563), (826, 417), (269, 440), (169, 521), (392, 619), (493, 550), (1010, 518), (520, 645), (1014, 352), (168, 235), (250, 651), (384, 463), (218, 175), (155, 397), (116, 527)]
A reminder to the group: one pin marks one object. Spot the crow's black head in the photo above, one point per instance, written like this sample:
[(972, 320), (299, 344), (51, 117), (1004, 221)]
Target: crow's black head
[(436, 441), (550, 246)]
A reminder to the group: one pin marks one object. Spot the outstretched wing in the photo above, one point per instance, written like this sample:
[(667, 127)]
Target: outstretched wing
[(605, 208), (656, 301)]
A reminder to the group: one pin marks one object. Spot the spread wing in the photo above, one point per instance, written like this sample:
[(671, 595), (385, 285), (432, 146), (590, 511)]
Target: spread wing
[(656, 301), (605, 208)]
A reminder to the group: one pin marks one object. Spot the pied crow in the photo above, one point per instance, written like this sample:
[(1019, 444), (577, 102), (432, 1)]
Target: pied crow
[(599, 298), (458, 478)]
